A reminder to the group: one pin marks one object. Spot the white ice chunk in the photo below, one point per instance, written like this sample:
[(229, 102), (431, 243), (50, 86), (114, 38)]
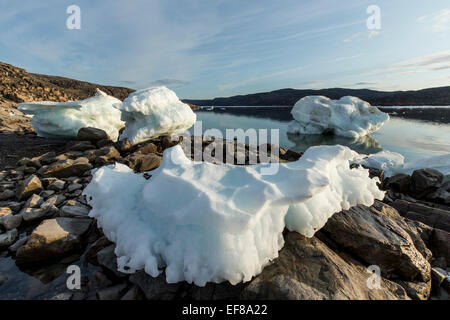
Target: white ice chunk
[(348, 117), (64, 119), (213, 223), (154, 112), (393, 163)]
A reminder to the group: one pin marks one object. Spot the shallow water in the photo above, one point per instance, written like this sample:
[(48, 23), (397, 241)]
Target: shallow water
[(414, 139)]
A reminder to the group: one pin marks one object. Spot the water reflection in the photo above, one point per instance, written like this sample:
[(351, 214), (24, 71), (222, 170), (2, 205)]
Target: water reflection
[(365, 144)]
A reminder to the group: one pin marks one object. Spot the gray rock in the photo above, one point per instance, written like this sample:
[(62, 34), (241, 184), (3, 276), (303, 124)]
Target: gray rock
[(53, 238), (398, 183), (74, 186), (437, 278), (56, 185), (47, 193), (8, 238), (416, 290), (11, 221), (107, 259), (62, 296), (34, 201), (75, 211), (155, 288), (55, 200), (3, 279), (380, 236), (440, 244), (111, 293), (7, 194), (133, 293), (308, 269), (74, 146), (29, 186), (13, 248)]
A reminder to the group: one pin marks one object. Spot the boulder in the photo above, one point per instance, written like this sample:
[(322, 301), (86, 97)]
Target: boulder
[(123, 145), (78, 210), (107, 259), (416, 290), (143, 162), (11, 221), (307, 269), (398, 183), (425, 181), (147, 148), (108, 152), (79, 146), (53, 238), (441, 195), (29, 186), (66, 168), (440, 244), (380, 236), (92, 134)]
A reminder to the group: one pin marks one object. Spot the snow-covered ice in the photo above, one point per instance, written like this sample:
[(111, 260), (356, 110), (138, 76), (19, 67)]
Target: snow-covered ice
[(348, 117), (393, 163), (213, 223), (64, 119), (154, 112)]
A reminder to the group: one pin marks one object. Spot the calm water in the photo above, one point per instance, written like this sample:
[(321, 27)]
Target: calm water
[(414, 139)]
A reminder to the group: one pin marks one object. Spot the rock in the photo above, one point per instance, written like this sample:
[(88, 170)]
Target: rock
[(98, 245), (14, 206), (140, 162), (75, 211), (46, 158), (34, 214), (29, 163), (66, 168), (74, 186), (440, 244), (56, 185), (53, 238), (10, 221), (79, 146), (147, 148), (308, 269), (123, 145), (380, 236), (6, 195), (107, 259), (111, 293), (133, 294), (416, 290), (155, 288), (424, 181), (91, 134), (102, 280), (8, 238), (432, 217), (34, 201), (398, 183), (28, 187), (13, 248), (442, 195), (3, 279), (104, 143), (437, 278), (108, 152), (55, 200), (62, 296), (47, 193), (4, 211)]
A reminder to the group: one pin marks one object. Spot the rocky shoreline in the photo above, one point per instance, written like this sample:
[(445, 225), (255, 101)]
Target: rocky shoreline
[(44, 225)]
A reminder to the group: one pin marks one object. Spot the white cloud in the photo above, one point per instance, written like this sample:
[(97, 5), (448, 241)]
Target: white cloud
[(438, 21), (359, 36)]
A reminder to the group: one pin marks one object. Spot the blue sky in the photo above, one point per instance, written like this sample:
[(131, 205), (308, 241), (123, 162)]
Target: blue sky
[(212, 48)]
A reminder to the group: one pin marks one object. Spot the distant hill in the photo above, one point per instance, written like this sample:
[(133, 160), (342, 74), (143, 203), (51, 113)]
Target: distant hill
[(288, 97)]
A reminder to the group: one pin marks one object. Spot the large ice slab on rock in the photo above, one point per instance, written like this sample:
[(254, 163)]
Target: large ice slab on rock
[(64, 119), (393, 163), (348, 117), (212, 223), (154, 112)]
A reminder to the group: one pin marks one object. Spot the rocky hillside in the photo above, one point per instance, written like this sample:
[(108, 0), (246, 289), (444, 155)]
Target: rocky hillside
[(288, 97), (17, 85)]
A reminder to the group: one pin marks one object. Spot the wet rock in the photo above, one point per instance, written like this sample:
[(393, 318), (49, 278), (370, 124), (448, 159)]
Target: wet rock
[(140, 162), (36, 214), (79, 146), (47, 193), (111, 293), (55, 200), (398, 183), (440, 244), (307, 269), (438, 276), (155, 288), (442, 195), (92, 134), (380, 236), (13, 248), (66, 168), (53, 238), (8, 238), (29, 186), (74, 186), (14, 206), (78, 210), (104, 143), (101, 243), (433, 217), (425, 181)]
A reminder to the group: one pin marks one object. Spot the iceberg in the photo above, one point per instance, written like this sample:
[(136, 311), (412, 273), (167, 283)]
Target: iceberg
[(348, 117), (62, 120), (394, 163), (202, 222), (154, 112)]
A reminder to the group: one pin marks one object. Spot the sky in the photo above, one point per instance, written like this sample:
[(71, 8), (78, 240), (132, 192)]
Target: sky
[(217, 48)]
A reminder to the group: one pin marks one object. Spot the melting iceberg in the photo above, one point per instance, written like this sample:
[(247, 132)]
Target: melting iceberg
[(154, 112), (393, 163), (348, 117), (212, 223), (62, 120)]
